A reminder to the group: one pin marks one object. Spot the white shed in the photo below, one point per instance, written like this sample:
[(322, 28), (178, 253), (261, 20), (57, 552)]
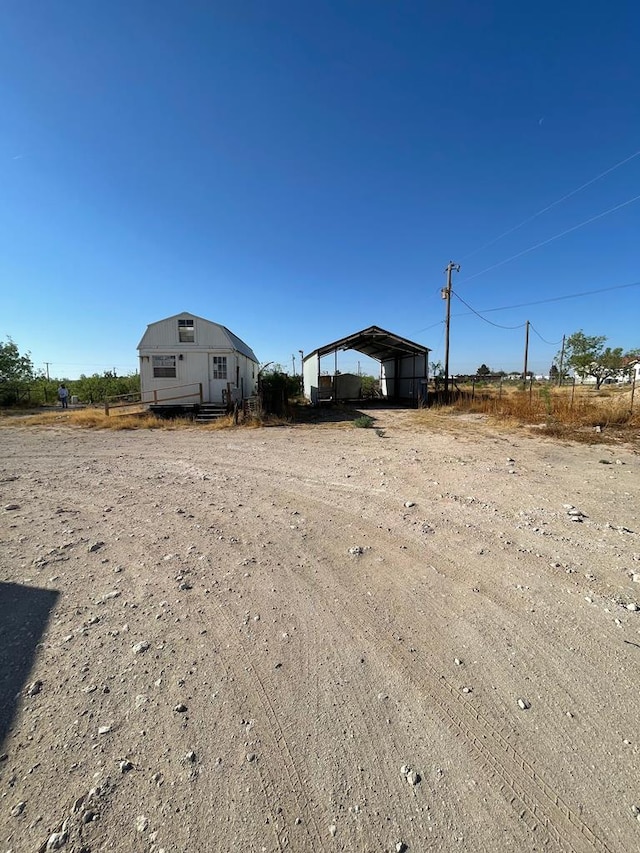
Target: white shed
[(186, 360)]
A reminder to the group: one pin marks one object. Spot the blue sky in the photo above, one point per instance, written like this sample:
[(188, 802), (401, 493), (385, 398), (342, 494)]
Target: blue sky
[(299, 171)]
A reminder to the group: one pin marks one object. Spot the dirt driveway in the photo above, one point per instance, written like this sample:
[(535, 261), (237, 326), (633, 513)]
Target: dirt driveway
[(318, 638)]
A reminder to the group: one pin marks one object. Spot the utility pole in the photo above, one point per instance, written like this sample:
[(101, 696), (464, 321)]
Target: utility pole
[(561, 361), (446, 294), (526, 353), (301, 371), (47, 363)]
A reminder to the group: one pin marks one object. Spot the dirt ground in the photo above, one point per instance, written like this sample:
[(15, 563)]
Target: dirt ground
[(318, 638)]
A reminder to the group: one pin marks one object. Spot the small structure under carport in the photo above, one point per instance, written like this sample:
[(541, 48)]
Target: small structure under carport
[(404, 369)]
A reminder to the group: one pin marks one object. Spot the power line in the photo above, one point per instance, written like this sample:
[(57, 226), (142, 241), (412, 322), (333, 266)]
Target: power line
[(426, 328), (551, 239), (553, 204), (557, 298), (528, 304), (551, 343), (491, 323)]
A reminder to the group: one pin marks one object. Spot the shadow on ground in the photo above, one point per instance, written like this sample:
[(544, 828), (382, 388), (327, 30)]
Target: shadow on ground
[(332, 414), (24, 614)]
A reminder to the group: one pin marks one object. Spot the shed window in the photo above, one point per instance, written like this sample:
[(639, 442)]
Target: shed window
[(219, 367), (164, 366), (186, 331)]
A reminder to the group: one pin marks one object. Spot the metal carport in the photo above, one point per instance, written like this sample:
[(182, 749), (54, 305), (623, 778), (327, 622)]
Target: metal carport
[(404, 367)]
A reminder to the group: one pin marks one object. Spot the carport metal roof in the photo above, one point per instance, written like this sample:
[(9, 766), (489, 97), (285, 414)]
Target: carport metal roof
[(374, 342)]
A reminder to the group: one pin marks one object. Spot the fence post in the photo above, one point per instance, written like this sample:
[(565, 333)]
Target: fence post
[(633, 391), (500, 394), (155, 396), (106, 406), (473, 389), (573, 391), (531, 390), (201, 397)]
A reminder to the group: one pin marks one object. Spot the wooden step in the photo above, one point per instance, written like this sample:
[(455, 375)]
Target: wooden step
[(209, 412)]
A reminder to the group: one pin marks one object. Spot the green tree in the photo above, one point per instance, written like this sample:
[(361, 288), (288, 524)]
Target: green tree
[(276, 387), (370, 385), (483, 370), (436, 371), (14, 367), (95, 388), (587, 355), (16, 374)]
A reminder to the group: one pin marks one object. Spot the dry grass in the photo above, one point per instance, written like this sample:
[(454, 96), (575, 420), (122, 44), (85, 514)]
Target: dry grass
[(96, 419), (225, 422), (580, 414), (142, 419)]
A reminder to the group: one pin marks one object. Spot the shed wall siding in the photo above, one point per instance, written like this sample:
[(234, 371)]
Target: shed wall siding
[(194, 368), (190, 371), (310, 369)]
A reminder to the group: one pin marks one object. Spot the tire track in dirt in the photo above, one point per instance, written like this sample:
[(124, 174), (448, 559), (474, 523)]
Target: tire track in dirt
[(456, 571), (526, 788), (525, 784), (295, 785), (352, 714), (373, 735)]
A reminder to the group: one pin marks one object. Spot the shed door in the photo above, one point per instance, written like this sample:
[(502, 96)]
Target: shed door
[(218, 377)]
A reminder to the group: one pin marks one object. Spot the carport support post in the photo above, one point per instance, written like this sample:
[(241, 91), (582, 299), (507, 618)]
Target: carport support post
[(414, 387)]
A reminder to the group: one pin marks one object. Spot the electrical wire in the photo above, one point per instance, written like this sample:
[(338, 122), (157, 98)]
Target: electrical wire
[(558, 298), (551, 343), (552, 205), (432, 326), (491, 323), (550, 239), (437, 351), (536, 302)]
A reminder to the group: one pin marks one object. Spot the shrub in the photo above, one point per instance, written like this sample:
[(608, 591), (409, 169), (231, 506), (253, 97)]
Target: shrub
[(363, 422)]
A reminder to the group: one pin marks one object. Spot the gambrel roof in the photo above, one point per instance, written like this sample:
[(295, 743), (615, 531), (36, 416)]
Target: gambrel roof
[(209, 335)]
